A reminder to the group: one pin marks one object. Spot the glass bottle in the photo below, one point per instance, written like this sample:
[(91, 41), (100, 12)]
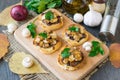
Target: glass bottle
[(75, 6), (110, 21), (99, 1), (99, 5)]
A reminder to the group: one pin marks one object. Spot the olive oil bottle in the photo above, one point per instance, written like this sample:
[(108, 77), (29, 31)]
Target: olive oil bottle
[(75, 6)]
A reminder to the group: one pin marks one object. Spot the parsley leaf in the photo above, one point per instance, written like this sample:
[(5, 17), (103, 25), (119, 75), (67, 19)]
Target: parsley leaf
[(65, 53), (39, 6), (51, 5), (32, 28), (93, 53), (74, 29), (31, 4), (49, 15), (43, 34), (101, 51), (96, 49), (58, 3), (95, 43)]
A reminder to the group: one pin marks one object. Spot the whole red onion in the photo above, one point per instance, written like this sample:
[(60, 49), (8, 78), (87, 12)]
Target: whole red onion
[(19, 13)]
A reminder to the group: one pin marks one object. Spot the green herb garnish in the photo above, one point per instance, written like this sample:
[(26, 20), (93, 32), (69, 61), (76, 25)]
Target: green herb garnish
[(43, 34), (65, 53), (39, 6), (32, 28), (51, 5), (74, 28), (96, 49), (49, 15)]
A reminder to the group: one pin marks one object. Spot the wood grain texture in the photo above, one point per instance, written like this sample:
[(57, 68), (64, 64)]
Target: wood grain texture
[(50, 61)]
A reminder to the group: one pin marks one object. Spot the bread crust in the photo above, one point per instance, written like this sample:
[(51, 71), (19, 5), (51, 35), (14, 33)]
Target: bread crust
[(53, 26), (73, 42), (71, 68), (51, 49)]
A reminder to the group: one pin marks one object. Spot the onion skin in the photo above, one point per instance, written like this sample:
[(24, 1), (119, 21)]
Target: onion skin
[(19, 13)]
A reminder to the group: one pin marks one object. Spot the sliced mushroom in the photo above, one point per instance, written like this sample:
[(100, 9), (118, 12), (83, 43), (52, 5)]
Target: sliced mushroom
[(76, 38), (45, 21), (54, 42), (71, 58), (68, 32), (48, 36), (74, 63), (65, 61), (50, 41), (45, 41), (41, 43), (80, 35), (77, 55), (41, 38), (36, 41), (54, 36), (46, 45), (54, 20)]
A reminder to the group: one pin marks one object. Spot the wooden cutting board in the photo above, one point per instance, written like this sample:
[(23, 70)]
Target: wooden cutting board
[(50, 61)]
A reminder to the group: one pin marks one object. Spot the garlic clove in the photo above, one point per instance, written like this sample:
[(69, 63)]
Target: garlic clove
[(27, 62), (92, 18), (78, 17), (26, 32)]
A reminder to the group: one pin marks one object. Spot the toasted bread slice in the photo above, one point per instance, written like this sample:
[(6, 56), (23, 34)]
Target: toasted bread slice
[(74, 64), (53, 24), (48, 43), (71, 37)]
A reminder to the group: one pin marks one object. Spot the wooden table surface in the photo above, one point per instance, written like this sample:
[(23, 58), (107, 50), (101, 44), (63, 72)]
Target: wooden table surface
[(106, 72)]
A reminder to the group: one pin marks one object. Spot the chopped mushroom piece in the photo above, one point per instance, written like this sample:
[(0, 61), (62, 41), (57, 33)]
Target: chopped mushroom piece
[(46, 42), (55, 20), (71, 58), (74, 59), (75, 35), (65, 61)]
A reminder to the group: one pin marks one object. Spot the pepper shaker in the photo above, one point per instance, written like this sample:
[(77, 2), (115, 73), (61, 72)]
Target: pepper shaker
[(110, 21)]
